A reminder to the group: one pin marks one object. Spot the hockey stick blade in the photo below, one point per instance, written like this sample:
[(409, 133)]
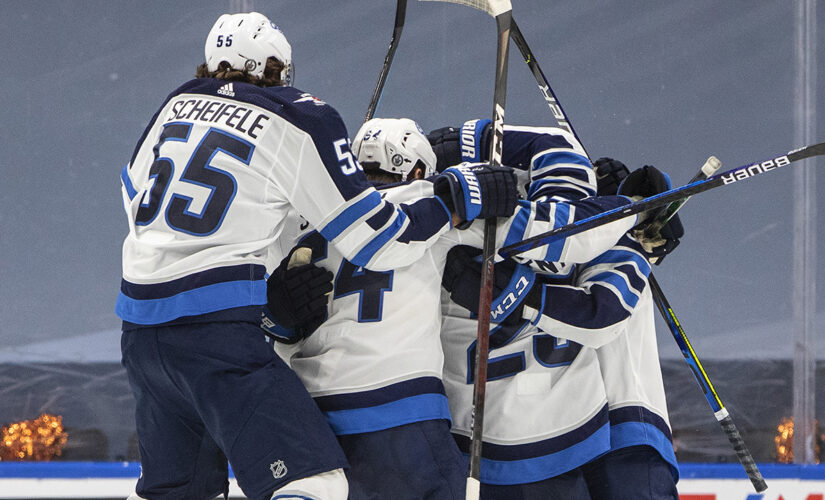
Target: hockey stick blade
[(400, 15), (721, 179)]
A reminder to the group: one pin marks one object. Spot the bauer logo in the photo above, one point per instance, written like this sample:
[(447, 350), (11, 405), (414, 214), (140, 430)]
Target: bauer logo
[(755, 169), (278, 469)]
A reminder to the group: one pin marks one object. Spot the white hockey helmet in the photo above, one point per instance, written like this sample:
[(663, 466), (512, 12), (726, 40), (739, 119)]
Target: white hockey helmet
[(394, 145), (246, 41)]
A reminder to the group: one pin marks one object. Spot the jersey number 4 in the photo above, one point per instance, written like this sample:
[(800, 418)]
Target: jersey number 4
[(351, 279), (221, 185)]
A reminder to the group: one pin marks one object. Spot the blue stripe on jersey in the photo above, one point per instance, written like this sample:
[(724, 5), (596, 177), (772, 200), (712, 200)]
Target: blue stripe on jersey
[(349, 215), (636, 425), (554, 248), (127, 182), (630, 297), (196, 294), (518, 225), (547, 160), (618, 255), (388, 415), (364, 255), (527, 463)]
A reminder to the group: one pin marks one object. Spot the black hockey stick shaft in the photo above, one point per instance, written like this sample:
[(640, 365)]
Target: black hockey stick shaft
[(679, 335), (542, 82), (503, 23), (721, 413), (400, 15), (721, 179)]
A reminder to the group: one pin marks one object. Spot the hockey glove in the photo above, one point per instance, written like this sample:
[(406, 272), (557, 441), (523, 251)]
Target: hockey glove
[(296, 295), (512, 283), (644, 182), (477, 191), (446, 143), (609, 174)]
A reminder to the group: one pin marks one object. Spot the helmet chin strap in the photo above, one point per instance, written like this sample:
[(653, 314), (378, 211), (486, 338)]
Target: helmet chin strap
[(288, 75)]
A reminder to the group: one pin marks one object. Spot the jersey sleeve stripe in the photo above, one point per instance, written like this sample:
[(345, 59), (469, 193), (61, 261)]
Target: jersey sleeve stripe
[(355, 210), (366, 253), (619, 283), (127, 182)]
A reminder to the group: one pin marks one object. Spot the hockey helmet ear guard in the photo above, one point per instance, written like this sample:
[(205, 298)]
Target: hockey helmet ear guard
[(246, 41), (394, 145)]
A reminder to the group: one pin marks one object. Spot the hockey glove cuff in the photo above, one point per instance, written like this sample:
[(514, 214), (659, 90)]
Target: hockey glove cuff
[(477, 191), (511, 283), (297, 295)]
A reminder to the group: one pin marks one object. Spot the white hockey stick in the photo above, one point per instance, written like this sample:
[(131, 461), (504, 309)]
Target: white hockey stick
[(501, 10)]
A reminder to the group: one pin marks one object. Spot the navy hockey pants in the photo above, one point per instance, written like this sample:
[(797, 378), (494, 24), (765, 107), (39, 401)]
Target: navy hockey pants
[(568, 486), (206, 392), (417, 461), (632, 473)]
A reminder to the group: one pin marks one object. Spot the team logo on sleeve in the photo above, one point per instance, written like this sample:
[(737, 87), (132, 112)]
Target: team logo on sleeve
[(307, 97), (278, 469)]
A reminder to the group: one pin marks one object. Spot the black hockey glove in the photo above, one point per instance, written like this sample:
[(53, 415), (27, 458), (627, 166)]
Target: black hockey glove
[(512, 283), (644, 182), (296, 295), (446, 143), (477, 191), (609, 174)]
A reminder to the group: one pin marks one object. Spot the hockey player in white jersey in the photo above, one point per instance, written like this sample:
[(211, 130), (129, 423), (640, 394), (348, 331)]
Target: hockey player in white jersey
[(206, 191), (608, 308), (374, 365), (641, 463)]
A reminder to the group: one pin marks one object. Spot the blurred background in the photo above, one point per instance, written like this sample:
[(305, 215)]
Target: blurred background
[(664, 83)]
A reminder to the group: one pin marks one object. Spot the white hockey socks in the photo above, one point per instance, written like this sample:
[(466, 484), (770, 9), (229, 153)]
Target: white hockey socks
[(331, 485)]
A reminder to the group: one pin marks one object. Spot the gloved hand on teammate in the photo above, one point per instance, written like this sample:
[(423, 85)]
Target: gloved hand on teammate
[(512, 283), (477, 191), (609, 174), (296, 295), (657, 242)]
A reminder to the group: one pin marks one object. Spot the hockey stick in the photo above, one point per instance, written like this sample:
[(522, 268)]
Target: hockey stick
[(721, 179), (544, 85), (400, 14), (719, 410), (709, 168), (501, 10)]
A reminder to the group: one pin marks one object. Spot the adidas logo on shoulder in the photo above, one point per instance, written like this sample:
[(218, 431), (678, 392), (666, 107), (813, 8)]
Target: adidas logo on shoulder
[(227, 90)]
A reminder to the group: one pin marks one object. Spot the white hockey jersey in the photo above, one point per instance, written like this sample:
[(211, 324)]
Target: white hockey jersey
[(208, 187), (376, 362), (635, 391), (546, 405)]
